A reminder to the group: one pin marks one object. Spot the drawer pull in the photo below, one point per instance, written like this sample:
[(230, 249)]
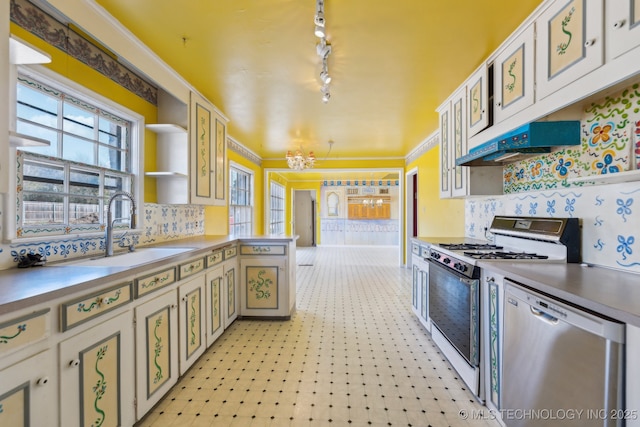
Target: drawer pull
[(74, 363), (42, 381)]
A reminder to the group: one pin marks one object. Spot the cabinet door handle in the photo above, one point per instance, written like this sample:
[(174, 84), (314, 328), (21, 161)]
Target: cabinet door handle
[(42, 381), (74, 363), (619, 24), (589, 42)]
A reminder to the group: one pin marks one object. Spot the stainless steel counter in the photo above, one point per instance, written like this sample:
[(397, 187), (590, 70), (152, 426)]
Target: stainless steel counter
[(609, 292), (24, 287)]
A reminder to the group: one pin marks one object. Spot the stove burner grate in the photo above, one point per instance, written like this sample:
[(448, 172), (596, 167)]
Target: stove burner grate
[(468, 246), (505, 255)]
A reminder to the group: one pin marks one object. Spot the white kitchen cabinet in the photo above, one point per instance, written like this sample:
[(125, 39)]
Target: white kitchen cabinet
[(156, 329), (97, 375), (492, 306), (420, 288), (191, 295), (622, 27), (29, 392), (207, 134), (513, 74), (632, 376), (478, 109), (214, 299), (445, 159), (265, 289), (570, 43), (231, 286), (461, 181)]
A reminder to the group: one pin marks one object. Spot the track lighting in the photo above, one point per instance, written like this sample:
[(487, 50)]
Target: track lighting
[(325, 77), (323, 49)]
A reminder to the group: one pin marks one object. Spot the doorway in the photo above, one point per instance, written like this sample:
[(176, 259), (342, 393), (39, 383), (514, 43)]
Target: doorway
[(411, 211), (304, 214)]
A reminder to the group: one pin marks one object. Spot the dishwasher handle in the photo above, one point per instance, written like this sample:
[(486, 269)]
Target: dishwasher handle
[(545, 317)]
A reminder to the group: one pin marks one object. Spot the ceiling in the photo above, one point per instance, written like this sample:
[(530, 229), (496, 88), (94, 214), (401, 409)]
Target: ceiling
[(392, 64)]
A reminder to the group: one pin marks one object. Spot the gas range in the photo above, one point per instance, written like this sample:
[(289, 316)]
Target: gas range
[(515, 239)]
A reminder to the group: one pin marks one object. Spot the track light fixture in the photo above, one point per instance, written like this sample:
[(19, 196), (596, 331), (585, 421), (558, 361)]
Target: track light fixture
[(323, 49)]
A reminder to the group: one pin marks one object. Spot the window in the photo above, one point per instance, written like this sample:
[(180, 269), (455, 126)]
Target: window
[(240, 201), (276, 224), (65, 187)]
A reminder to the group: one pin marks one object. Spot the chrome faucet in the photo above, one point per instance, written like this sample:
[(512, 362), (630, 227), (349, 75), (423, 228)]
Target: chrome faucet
[(108, 244)]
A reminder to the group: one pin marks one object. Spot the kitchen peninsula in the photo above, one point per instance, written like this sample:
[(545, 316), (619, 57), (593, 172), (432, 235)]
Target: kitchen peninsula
[(136, 328)]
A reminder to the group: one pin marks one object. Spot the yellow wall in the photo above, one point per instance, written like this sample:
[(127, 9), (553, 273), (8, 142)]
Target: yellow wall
[(436, 217)]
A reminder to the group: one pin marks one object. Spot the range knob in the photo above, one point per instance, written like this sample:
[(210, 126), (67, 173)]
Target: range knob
[(435, 255), (446, 260), (460, 267)]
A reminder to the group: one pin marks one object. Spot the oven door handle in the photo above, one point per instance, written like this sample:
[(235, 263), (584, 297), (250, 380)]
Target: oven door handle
[(466, 281)]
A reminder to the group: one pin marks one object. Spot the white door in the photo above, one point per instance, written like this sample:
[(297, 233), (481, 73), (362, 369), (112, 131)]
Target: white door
[(303, 217)]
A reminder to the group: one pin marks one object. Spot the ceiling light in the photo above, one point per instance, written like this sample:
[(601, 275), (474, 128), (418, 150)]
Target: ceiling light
[(299, 161), (325, 96), (320, 31), (325, 77), (323, 49)]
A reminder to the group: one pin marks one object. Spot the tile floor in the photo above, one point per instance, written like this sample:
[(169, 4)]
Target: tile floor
[(353, 354)]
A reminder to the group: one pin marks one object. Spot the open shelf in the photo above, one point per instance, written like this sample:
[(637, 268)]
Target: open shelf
[(166, 174), (166, 128), (610, 178)]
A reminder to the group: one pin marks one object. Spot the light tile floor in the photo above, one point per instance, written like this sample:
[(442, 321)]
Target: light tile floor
[(352, 354)]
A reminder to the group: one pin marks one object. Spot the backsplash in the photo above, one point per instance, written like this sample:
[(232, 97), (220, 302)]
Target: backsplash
[(160, 223), (538, 186), (610, 136)]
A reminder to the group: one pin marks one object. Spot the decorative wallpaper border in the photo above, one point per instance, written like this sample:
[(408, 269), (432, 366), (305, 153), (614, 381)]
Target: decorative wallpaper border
[(361, 183), (28, 16), (240, 149), (431, 141)]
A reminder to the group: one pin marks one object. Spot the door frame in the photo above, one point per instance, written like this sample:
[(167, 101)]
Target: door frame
[(411, 207)]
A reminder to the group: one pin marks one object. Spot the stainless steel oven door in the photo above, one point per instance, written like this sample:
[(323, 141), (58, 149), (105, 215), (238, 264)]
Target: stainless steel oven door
[(454, 310)]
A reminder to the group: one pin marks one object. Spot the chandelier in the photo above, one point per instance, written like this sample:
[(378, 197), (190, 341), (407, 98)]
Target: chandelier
[(299, 161)]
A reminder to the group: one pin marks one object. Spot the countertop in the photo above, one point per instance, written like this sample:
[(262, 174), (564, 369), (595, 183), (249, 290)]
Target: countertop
[(612, 293), (609, 292), (25, 287)]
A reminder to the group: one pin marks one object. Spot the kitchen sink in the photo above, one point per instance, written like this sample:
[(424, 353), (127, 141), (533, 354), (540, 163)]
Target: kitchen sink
[(128, 259)]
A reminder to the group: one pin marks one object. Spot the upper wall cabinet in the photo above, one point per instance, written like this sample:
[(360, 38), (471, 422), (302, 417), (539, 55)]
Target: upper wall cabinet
[(207, 133), (461, 181), (514, 76), (478, 100), (570, 43), (622, 26)]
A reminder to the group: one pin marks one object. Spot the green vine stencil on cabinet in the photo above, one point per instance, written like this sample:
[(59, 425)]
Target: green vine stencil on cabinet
[(100, 388), (98, 302), (156, 281), (512, 85), (157, 351), (258, 285), (4, 339), (192, 319), (562, 47), (203, 149)]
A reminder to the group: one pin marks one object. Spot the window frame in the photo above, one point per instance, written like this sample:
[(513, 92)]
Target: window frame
[(13, 233), (250, 198), (280, 202)]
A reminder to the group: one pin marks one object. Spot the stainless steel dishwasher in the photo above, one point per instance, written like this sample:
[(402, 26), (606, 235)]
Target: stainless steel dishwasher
[(562, 365)]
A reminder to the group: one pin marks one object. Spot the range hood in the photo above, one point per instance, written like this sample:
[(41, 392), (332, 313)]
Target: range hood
[(525, 141)]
